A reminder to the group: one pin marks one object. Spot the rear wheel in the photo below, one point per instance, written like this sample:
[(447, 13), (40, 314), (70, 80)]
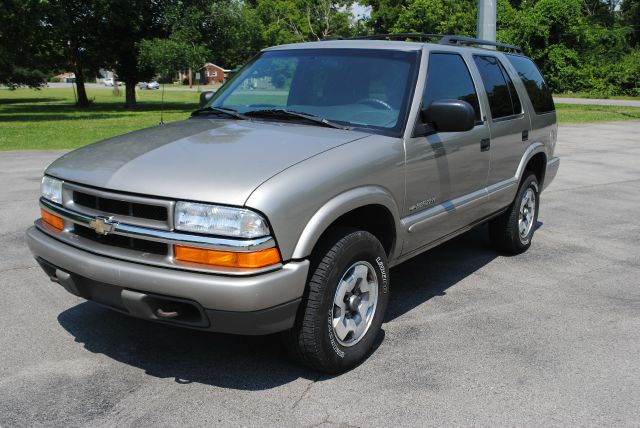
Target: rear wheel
[(344, 305), (512, 231)]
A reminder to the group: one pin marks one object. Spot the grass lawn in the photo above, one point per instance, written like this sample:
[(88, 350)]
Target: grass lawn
[(47, 119), (588, 95), (580, 113)]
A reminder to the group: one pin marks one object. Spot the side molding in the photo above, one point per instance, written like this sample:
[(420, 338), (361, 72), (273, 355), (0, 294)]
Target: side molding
[(340, 205)]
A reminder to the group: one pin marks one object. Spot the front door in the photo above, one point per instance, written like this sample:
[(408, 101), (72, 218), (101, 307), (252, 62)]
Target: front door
[(446, 172)]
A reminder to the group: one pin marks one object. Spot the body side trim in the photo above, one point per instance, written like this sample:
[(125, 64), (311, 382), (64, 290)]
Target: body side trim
[(421, 220), (443, 239)]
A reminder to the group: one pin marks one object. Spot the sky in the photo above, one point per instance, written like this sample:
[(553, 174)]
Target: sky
[(360, 11)]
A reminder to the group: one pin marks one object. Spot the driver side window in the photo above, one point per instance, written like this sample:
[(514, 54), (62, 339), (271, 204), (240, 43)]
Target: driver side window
[(448, 78)]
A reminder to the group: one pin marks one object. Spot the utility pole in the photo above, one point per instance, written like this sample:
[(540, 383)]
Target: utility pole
[(487, 20)]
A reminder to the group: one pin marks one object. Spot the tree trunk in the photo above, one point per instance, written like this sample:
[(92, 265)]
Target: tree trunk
[(76, 63), (116, 89), (190, 82), (130, 93)]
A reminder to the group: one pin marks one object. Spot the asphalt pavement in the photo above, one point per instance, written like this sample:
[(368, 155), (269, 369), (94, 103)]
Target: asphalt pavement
[(547, 338)]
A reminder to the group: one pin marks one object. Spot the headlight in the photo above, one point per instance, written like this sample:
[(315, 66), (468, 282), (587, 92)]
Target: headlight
[(218, 220), (51, 189)]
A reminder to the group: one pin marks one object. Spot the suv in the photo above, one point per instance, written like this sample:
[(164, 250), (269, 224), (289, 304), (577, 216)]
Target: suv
[(283, 202)]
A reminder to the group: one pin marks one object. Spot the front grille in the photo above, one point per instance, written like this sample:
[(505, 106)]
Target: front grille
[(114, 206), (122, 241)]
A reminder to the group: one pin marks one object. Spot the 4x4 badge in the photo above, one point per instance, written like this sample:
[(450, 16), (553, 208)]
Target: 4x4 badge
[(103, 225)]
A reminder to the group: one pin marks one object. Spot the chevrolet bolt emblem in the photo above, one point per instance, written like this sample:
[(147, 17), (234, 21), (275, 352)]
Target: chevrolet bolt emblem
[(103, 225)]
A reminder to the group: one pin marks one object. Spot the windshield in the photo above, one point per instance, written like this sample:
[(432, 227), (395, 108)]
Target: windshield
[(359, 88)]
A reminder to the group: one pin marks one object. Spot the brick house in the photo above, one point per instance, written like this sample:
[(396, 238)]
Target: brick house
[(206, 75), (213, 73)]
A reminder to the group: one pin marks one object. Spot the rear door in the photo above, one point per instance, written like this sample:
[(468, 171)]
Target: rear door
[(509, 127)]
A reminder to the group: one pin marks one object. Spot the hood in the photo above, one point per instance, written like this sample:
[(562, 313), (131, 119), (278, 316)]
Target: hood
[(200, 159)]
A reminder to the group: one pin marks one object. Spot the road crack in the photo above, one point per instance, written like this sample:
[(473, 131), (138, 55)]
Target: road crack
[(306, 390)]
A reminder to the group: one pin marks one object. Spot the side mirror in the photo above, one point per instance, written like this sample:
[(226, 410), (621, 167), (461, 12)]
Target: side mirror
[(447, 116), (205, 97)]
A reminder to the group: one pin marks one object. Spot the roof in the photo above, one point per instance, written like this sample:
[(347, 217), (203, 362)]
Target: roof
[(399, 42), (214, 65), (353, 44)]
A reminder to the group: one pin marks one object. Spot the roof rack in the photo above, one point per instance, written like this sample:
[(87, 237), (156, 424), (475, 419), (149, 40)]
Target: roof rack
[(401, 36), (459, 40), (442, 39)]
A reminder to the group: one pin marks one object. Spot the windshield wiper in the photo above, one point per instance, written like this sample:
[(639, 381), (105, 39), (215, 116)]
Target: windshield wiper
[(218, 110), (280, 113)]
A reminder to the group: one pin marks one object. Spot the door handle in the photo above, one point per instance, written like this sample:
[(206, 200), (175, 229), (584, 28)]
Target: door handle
[(525, 135), (485, 144)]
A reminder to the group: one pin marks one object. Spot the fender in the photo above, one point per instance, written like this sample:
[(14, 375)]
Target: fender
[(531, 151), (340, 205)]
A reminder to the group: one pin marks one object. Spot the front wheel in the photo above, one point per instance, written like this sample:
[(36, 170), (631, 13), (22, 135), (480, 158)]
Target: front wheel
[(513, 230), (344, 304)]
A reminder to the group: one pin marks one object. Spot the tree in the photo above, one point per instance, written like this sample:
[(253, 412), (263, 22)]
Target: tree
[(630, 10), (384, 13), (24, 46), (580, 45), (72, 28), (233, 33), (126, 23), (184, 21), (164, 56), (288, 21), (438, 17)]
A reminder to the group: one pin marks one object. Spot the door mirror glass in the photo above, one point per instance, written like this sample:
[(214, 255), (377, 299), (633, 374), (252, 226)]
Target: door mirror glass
[(449, 116), (205, 97)]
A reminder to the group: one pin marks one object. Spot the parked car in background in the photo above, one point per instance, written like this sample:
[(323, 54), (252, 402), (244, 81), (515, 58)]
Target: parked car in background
[(109, 82), (282, 209), (149, 85)]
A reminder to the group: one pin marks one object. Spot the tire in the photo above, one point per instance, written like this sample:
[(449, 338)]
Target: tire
[(349, 263), (511, 232)]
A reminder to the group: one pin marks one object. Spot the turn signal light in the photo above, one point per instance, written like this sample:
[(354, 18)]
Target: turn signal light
[(52, 220), (255, 259)]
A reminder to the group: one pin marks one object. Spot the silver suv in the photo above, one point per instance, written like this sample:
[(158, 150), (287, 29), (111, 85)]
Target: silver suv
[(283, 202)]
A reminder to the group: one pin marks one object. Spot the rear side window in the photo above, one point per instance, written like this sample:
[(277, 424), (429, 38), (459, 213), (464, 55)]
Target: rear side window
[(534, 83), (448, 78), (503, 98)]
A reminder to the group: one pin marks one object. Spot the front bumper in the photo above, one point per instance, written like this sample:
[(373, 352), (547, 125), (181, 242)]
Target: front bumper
[(259, 304)]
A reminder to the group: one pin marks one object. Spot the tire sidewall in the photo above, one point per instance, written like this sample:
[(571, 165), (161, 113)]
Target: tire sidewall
[(530, 183), (360, 246)]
